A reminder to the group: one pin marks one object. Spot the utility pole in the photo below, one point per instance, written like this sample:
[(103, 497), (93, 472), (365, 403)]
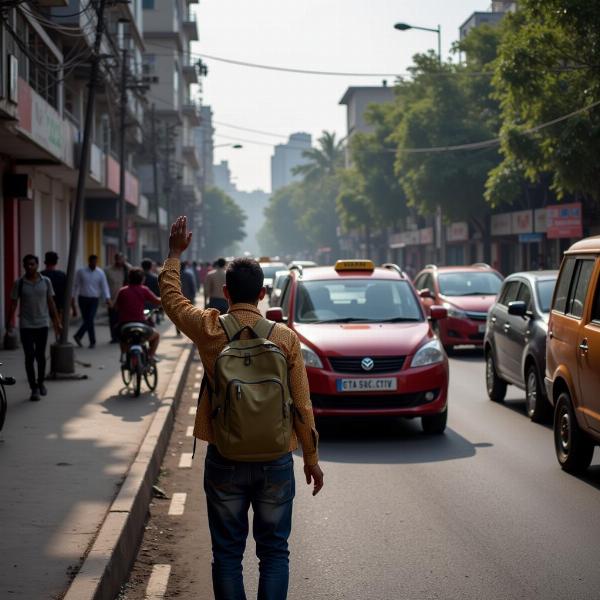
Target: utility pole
[(155, 180), (123, 135), (62, 353)]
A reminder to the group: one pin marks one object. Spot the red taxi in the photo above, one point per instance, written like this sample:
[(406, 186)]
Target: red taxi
[(467, 293), (368, 346)]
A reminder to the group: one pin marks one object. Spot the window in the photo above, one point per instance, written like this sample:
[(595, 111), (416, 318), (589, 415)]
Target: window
[(285, 298), (509, 293), (584, 271), (596, 305), (429, 283), (148, 4), (563, 285), (524, 295), (419, 281), (469, 283), (544, 292), (356, 300)]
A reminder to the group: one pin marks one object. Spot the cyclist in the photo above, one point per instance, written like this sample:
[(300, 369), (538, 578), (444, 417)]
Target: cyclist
[(130, 303)]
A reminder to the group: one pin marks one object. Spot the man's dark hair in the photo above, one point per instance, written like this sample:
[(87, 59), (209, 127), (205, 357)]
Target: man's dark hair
[(244, 279), (29, 257), (92, 257), (221, 262), (135, 276), (146, 264), (51, 258)]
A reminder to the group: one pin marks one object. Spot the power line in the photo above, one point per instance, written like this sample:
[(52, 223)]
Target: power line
[(260, 131), (260, 143)]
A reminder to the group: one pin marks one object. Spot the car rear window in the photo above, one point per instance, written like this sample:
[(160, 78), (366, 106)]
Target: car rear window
[(576, 303), (469, 283), (356, 300)]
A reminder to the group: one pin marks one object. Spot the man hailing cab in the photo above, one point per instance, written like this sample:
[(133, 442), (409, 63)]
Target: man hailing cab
[(254, 407)]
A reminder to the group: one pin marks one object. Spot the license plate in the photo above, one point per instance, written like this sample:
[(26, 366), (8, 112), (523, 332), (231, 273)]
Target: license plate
[(380, 384), (482, 329)]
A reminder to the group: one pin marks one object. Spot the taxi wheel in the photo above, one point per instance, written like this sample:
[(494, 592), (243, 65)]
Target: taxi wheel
[(496, 387), (435, 424), (574, 450), (536, 404)]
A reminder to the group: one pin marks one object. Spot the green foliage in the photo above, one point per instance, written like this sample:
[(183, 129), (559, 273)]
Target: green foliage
[(223, 222), (548, 67)]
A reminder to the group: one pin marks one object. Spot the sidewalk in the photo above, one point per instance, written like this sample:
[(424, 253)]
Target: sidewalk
[(63, 460)]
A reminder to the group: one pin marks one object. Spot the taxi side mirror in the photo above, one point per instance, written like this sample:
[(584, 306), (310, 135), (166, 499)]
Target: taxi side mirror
[(437, 312), (426, 293), (275, 314)]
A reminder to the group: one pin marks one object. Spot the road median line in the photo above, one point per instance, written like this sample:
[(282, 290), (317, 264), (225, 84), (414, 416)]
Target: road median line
[(114, 549)]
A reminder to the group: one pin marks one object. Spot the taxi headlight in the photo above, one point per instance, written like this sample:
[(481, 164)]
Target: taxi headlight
[(310, 357), (428, 354), (454, 312)]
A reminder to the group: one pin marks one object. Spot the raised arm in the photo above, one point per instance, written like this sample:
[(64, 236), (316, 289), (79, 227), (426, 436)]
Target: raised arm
[(180, 310)]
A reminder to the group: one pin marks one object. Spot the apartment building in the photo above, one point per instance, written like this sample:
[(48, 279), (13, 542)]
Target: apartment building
[(44, 52), (286, 157), (169, 28)]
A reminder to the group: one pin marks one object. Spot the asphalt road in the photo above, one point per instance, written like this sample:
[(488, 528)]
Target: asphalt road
[(481, 512)]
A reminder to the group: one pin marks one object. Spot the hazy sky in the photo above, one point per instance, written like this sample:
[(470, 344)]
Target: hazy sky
[(330, 35)]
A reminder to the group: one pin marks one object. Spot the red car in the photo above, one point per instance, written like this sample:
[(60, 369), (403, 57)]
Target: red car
[(368, 346), (467, 293)]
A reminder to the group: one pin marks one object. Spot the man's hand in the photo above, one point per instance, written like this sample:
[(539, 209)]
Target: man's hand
[(180, 238), (313, 473), (57, 328)]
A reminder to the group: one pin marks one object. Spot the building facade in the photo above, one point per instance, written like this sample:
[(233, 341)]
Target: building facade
[(286, 157)]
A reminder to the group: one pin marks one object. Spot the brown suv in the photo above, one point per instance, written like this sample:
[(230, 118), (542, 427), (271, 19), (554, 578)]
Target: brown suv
[(573, 356)]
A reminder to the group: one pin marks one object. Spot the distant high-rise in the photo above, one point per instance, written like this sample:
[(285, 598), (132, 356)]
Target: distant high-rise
[(498, 9), (286, 157)]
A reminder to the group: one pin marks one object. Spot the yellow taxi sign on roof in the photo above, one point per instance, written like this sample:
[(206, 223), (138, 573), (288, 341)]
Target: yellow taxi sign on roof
[(354, 265)]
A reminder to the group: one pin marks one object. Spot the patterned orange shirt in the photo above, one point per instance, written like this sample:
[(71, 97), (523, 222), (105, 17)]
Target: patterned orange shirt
[(204, 329)]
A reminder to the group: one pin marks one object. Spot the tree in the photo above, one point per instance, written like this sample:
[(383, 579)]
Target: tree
[(322, 161), (223, 222), (547, 67)]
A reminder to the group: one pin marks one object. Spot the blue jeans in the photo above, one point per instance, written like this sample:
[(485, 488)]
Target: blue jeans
[(231, 487)]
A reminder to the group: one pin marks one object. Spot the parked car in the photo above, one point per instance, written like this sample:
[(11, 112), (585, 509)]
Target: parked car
[(467, 293), (303, 264), (515, 339), (269, 270), (367, 344), (573, 356), (279, 281)]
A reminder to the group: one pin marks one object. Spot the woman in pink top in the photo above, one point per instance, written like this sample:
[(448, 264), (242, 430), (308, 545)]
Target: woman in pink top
[(130, 303)]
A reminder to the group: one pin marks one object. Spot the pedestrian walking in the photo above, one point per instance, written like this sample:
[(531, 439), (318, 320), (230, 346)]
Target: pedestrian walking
[(34, 295), (58, 279), (90, 285), (213, 288), (116, 275), (151, 282), (264, 479), (188, 282)]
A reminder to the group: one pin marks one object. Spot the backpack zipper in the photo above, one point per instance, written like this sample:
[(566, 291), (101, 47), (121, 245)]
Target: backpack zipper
[(239, 392)]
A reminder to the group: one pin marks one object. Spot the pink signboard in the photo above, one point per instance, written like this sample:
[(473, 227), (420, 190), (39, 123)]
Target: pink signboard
[(564, 221)]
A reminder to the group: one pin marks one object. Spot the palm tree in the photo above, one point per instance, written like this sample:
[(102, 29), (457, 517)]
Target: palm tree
[(323, 160)]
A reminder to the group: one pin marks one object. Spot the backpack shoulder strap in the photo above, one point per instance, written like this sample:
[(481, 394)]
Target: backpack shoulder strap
[(263, 328), (230, 325)]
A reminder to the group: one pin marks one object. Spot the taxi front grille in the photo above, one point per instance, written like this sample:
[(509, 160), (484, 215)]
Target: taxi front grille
[(382, 364), (364, 402)]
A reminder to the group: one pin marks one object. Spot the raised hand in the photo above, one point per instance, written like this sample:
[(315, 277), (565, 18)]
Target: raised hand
[(180, 238)]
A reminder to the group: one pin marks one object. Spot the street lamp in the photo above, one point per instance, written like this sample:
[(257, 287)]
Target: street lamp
[(234, 146), (438, 30)]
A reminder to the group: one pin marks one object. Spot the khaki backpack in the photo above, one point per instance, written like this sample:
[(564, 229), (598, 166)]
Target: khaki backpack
[(251, 401)]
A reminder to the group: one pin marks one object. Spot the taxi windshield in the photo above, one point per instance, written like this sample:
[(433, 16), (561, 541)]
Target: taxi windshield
[(469, 283), (270, 270), (356, 301)]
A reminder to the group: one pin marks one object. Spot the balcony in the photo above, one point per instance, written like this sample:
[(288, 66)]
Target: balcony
[(190, 152), (192, 112), (190, 70), (190, 26)]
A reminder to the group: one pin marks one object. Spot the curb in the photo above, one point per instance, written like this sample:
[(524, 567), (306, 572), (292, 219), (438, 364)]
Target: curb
[(115, 547)]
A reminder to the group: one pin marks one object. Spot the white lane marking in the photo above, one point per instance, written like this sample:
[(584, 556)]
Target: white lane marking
[(192, 410), (185, 461), (199, 375), (197, 385), (157, 584), (177, 505), (190, 431)]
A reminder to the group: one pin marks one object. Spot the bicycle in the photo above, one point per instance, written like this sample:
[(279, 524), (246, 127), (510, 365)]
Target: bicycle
[(3, 401), (137, 363)]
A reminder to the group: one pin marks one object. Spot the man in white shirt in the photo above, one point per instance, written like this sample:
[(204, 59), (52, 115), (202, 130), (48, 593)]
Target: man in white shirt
[(90, 285)]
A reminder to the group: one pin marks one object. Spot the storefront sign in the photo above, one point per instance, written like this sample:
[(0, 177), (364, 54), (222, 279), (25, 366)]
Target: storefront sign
[(540, 220), (502, 224), (405, 238), (457, 232), (46, 126), (426, 235), (564, 221), (522, 221), (531, 238)]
